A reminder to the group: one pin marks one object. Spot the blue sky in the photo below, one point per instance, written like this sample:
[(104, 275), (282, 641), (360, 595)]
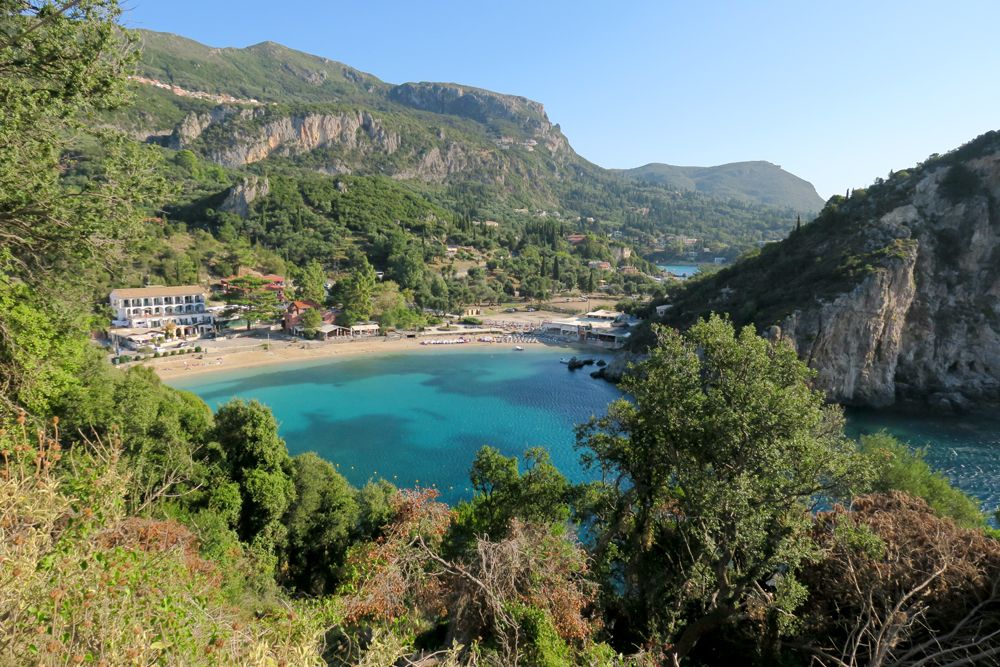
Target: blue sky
[(837, 93)]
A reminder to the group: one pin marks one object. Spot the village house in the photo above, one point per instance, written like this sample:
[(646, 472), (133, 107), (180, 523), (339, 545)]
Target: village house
[(576, 239), (603, 266), (144, 315), (629, 270), (292, 320)]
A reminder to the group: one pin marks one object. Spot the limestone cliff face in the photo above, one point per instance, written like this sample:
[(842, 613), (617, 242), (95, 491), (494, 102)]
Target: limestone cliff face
[(924, 327), (854, 341), (244, 136)]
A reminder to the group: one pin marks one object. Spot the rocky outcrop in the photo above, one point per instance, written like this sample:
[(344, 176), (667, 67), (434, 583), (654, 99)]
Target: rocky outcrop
[(243, 194), (262, 134), (190, 129), (892, 294), (924, 327), (619, 366), (483, 106)]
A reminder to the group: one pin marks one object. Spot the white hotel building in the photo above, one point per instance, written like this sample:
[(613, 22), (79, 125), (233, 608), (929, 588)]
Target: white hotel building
[(143, 313)]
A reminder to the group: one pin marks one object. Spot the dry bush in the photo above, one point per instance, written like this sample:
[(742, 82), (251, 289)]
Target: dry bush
[(82, 582), (530, 567), (899, 585), (394, 577)]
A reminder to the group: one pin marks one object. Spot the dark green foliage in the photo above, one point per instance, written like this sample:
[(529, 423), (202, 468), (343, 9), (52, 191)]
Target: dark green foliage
[(502, 492), (715, 465), (255, 457), (320, 524), (959, 183)]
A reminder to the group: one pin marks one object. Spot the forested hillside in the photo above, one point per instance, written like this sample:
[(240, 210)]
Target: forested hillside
[(479, 154), (760, 182), (137, 527)]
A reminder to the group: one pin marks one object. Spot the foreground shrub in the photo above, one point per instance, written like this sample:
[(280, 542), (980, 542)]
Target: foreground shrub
[(82, 582)]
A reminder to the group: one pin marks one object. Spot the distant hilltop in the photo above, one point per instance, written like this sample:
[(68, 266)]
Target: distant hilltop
[(758, 181)]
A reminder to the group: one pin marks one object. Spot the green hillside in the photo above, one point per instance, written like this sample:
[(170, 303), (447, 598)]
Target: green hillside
[(251, 72), (760, 182), (499, 153)]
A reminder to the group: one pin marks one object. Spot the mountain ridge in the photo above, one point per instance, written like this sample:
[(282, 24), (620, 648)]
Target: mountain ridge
[(274, 73)]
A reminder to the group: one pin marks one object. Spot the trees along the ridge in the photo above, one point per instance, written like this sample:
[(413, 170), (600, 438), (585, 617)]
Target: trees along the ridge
[(714, 467)]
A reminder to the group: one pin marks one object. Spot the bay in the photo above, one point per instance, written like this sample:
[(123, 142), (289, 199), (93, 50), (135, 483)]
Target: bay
[(419, 418), (682, 270)]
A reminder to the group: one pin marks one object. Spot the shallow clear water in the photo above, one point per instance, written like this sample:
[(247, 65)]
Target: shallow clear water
[(684, 270), (419, 418)]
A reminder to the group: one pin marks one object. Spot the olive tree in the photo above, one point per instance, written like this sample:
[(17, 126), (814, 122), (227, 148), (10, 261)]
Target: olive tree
[(711, 470)]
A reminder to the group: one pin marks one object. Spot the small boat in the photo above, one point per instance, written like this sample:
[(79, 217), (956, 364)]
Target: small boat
[(564, 360), (518, 348)]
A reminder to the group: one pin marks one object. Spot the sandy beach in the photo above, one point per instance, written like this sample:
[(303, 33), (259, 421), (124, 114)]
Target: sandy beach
[(280, 352), (249, 352)]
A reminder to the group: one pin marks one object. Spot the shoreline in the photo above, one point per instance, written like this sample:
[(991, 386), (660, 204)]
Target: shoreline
[(217, 361)]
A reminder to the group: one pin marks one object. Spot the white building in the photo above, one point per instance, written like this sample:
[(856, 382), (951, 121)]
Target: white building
[(603, 328), (144, 311)]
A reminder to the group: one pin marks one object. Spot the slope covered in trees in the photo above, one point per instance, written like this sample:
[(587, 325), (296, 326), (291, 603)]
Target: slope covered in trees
[(760, 182)]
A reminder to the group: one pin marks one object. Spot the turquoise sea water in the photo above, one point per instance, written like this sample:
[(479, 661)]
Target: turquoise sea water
[(685, 270), (420, 417), (965, 448)]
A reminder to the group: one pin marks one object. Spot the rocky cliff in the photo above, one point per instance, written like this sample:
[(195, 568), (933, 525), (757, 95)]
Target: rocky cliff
[(244, 136), (892, 295)]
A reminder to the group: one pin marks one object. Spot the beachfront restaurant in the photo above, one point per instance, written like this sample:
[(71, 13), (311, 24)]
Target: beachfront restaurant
[(328, 331), (364, 329), (603, 328)]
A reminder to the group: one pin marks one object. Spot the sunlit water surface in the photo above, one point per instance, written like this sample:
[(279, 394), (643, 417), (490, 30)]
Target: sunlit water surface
[(418, 418)]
